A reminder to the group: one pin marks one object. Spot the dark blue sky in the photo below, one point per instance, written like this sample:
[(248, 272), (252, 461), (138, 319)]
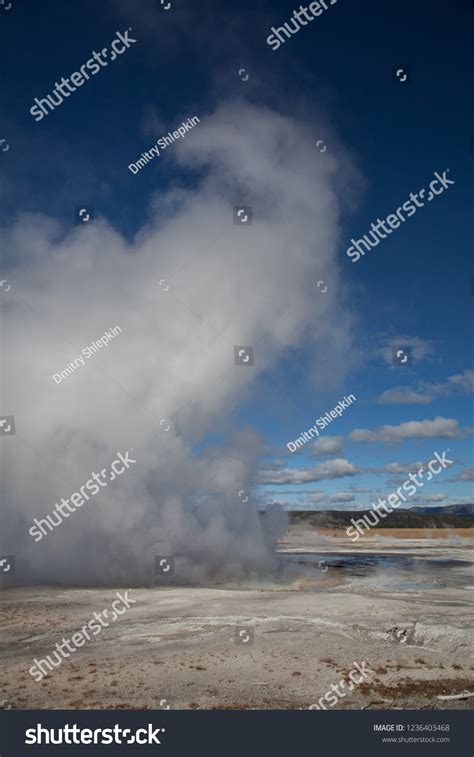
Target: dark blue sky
[(414, 287)]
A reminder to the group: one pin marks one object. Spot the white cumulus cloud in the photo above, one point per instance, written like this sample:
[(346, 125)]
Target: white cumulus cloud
[(446, 428)]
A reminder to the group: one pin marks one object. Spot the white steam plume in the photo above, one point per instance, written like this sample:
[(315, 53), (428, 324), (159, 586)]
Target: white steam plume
[(174, 360)]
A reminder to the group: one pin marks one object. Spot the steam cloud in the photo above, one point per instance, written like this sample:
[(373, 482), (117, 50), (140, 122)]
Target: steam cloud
[(173, 360)]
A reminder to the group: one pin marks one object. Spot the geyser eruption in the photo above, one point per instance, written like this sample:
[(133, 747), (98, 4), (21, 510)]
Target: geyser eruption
[(166, 384)]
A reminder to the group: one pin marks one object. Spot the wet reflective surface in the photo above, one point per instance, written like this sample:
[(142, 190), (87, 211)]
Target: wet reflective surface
[(395, 571)]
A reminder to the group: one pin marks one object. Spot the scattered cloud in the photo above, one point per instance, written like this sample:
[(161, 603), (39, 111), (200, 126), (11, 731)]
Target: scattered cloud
[(405, 395), (400, 468), (424, 393), (328, 470), (331, 498), (359, 489), (422, 349), (342, 497), (441, 428), (318, 497), (466, 475), (464, 382), (423, 499), (327, 445)]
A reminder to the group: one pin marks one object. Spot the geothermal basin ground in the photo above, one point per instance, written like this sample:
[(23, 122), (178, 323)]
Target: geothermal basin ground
[(398, 600)]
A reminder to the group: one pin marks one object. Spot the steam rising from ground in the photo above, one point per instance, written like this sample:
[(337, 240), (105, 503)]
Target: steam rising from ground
[(228, 285)]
